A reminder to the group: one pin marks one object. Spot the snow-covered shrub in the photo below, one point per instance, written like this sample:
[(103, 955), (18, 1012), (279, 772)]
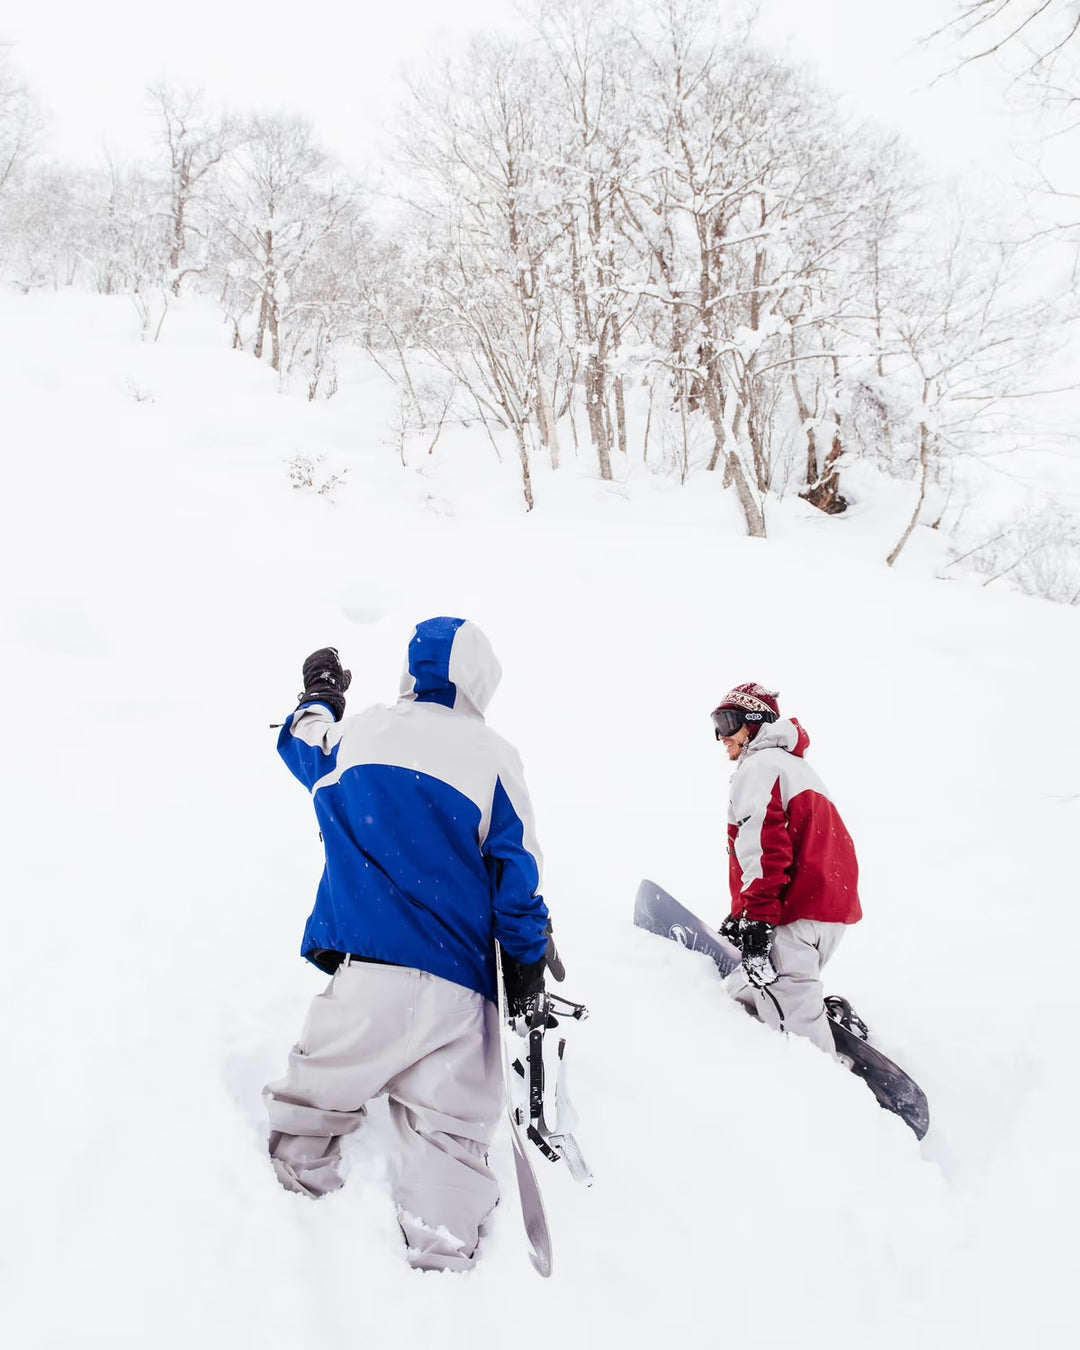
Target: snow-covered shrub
[(1037, 551), (308, 473)]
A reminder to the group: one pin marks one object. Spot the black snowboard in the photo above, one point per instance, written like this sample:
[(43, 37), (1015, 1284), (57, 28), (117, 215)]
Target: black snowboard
[(661, 913)]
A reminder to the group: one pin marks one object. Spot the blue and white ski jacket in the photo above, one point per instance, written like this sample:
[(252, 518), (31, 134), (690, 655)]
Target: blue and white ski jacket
[(425, 819)]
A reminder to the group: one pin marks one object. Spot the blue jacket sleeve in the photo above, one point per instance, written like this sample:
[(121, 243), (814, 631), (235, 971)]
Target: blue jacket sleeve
[(520, 915), (308, 742)]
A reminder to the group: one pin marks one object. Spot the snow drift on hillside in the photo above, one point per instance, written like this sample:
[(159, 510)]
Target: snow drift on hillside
[(164, 581)]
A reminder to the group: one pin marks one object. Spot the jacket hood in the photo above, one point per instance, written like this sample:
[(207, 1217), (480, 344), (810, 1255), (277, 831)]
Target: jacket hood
[(450, 662), (786, 734)]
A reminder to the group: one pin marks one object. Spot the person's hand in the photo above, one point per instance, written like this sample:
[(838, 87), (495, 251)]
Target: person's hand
[(729, 930), (755, 941), (522, 984), (325, 681)]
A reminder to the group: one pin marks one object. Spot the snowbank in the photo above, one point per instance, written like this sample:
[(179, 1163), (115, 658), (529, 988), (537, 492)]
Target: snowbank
[(164, 582)]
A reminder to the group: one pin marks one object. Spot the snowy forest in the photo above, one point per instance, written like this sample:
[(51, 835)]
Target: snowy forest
[(631, 231)]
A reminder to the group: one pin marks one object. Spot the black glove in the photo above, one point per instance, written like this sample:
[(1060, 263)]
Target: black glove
[(522, 983), (729, 930), (325, 681), (755, 940)]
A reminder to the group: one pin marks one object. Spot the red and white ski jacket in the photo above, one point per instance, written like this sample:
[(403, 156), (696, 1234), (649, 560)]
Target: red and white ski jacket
[(791, 856)]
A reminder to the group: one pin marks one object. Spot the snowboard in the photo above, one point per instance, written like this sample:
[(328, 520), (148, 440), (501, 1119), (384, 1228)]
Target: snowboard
[(660, 913), (532, 1202)]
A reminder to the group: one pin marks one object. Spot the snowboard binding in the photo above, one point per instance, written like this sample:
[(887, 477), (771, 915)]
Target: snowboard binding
[(839, 1010), (547, 1115)]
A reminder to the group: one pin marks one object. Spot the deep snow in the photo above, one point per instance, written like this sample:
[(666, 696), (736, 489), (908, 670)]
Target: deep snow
[(162, 583)]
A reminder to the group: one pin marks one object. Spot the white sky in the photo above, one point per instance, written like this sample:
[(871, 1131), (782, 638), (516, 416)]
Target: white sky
[(335, 62)]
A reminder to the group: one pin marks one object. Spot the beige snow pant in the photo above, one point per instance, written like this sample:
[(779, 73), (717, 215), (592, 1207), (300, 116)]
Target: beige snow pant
[(799, 951), (433, 1048)]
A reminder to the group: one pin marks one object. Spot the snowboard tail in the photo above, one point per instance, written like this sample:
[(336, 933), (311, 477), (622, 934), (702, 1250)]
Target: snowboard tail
[(533, 1212), (540, 1113), (658, 912)]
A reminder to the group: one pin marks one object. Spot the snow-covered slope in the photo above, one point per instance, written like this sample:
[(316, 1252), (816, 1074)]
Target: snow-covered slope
[(163, 581)]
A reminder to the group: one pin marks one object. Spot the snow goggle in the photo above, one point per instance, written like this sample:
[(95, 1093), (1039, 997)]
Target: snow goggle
[(727, 721)]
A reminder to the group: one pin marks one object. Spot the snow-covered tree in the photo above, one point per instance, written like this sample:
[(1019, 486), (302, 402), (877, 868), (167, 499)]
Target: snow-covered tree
[(41, 241), (966, 337), (595, 166), (754, 213), (477, 145), (196, 142), (20, 122), (1037, 36), (278, 202), (328, 302), (123, 234)]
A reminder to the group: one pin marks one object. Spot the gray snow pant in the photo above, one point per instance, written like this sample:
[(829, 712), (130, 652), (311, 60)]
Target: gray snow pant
[(433, 1048), (799, 951)]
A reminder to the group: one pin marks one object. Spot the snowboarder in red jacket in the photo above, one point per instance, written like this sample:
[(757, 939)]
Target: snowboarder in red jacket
[(793, 872)]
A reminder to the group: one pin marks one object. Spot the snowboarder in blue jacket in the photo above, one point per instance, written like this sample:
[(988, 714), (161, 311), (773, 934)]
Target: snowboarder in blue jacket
[(430, 858)]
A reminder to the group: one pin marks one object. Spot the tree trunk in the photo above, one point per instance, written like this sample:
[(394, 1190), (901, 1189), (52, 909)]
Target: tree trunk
[(807, 420), (924, 465), (824, 492), (523, 455), (714, 406), (762, 469), (595, 375), (734, 474), (620, 392), (822, 488), (594, 403), (264, 310), (545, 415), (181, 197), (275, 338), (177, 248), (269, 282)]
